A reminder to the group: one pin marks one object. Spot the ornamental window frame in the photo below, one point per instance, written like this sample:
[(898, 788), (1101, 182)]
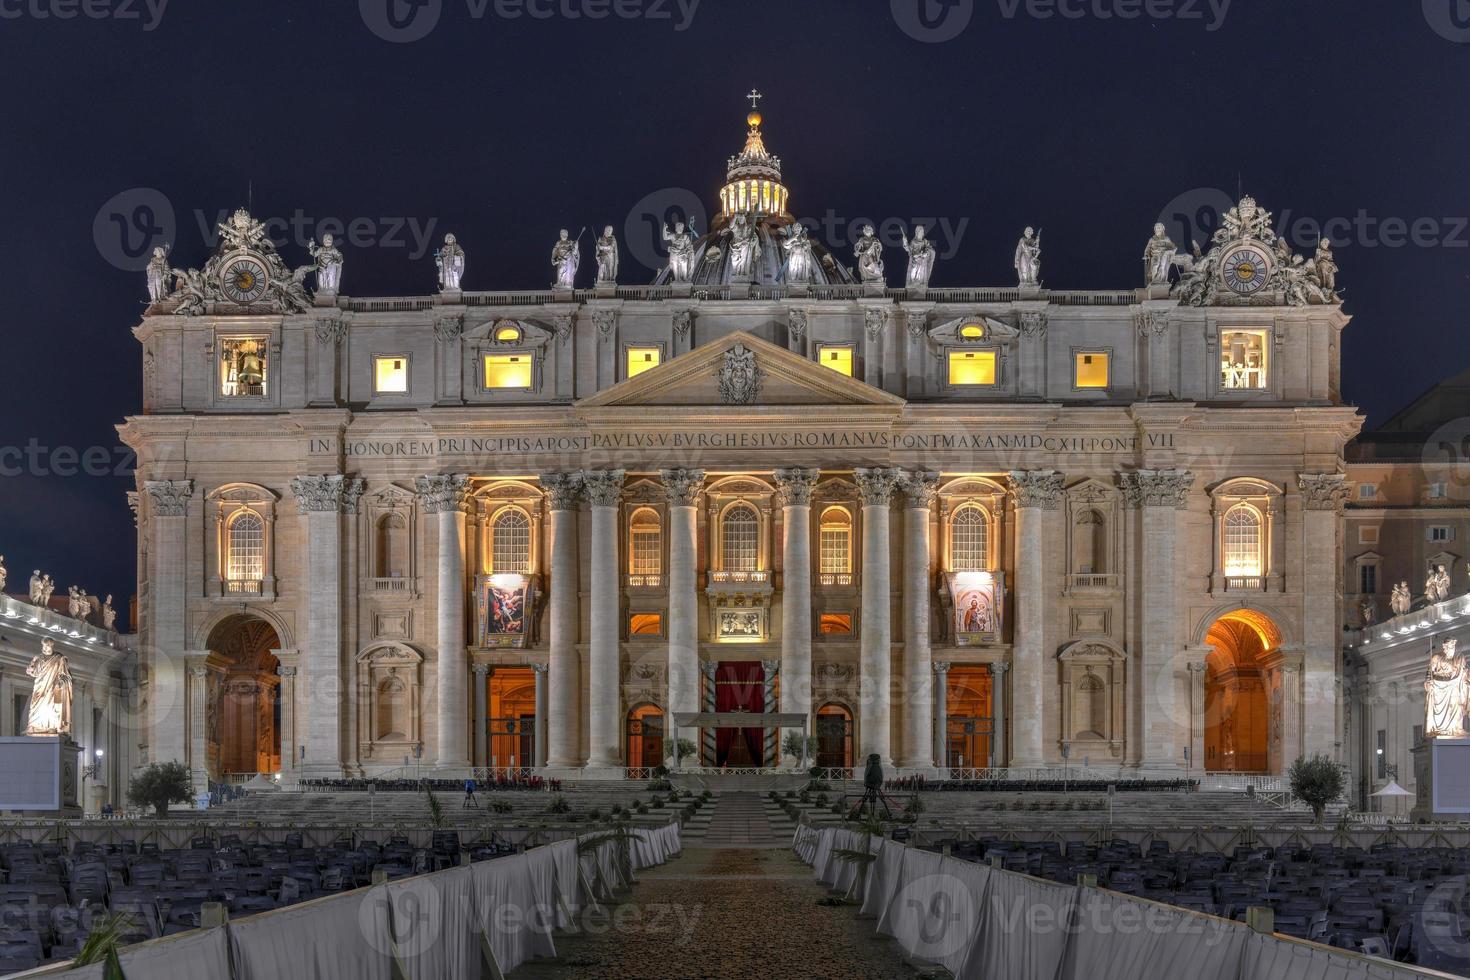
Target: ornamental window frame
[(373, 509), (628, 350), (949, 352), (217, 348), (378, 392), (482, 374), (963, 492), (1267, 502), (1094, 391), (523, 542), (1219, 328), (226, 505)]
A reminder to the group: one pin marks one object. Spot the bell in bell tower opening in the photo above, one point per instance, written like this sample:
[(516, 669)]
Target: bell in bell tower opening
[(243, 366)]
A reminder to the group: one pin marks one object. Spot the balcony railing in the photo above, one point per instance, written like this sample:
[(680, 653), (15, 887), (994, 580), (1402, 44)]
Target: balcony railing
[(723, 577), (835, 578), (242, 586), (645, 581), (1092, 582), (395, 583), (1245, 583)]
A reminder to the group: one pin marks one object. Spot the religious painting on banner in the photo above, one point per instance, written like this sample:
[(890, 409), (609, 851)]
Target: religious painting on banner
[(501, 610), (976, 604)]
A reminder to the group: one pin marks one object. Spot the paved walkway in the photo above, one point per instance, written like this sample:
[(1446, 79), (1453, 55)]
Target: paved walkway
[(726, 912)]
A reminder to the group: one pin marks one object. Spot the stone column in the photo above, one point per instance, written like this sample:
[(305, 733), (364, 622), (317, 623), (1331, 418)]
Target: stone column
[(794, 492), (941, 716), (683, 487), (287, 673), (198, 720), (998, 713), (1322, 496), (445, 498), (564, 668), (541, 700), (1036, 493), (875, 648), (770, 737), (604, 488), (482, 745), (168, 506), (1159, 496), (1196, 669), (321, 501), (919, 489), (875, 324)]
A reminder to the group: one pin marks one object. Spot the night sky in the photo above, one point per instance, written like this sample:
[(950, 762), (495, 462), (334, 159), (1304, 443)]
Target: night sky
[(122, 127)]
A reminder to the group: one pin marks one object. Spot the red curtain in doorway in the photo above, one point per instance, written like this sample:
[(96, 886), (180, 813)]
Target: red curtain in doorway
[(739, 686)]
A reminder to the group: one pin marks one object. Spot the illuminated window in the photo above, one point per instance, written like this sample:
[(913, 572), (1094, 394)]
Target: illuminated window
[(508, 334), (1243, 360), (972, 367), (838, 359), (972, 331), (242, 366), (740, 539), (245, 554), (1091, 369), (969, 539), (646, 551), (1242, 541), (646, 624), (508, 370), (642, 359), (510, 543), (835, 542), (390, 375), (839, 623)]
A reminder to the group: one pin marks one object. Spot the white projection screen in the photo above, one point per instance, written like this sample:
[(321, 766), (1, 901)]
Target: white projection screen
[(30, 773)]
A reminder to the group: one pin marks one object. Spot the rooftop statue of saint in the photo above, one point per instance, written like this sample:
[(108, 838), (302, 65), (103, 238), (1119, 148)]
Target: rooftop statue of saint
[(607, 256), (1028, 258), (50, 707), (681, 252), (565, 258), (328, 259), (449, 259), (921, 258), (869, 251)]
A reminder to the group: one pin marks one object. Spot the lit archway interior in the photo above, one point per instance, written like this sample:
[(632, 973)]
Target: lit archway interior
[(511, 742), (1235, 692), (967, 740), (645, 736), (243, 723)]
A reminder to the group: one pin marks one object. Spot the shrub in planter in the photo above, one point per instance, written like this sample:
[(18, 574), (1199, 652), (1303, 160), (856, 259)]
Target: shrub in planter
[(159, 784)]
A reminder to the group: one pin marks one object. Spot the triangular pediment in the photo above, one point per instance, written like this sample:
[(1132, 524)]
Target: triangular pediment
[(719, 373)]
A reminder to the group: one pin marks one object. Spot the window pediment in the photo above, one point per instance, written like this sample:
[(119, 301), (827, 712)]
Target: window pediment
[(953, 332)]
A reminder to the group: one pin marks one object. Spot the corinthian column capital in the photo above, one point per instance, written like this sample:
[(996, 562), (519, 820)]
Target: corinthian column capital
[(170, 498), (444, 494), (876, 486), (1036, 488), (920, 487), (1322, 491), (682, 486), (563, 490), (1156, 488), (794, 486), (603, 488)]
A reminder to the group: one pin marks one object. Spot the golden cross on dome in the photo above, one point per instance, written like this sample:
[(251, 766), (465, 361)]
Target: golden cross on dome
[(755, 96)]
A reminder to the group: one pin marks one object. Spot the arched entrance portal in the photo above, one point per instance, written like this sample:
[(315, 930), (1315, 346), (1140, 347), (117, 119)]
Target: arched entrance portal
[(834, 736), (512, 735), (1236, 683), (243, 726), (968, 724), (645, 737)]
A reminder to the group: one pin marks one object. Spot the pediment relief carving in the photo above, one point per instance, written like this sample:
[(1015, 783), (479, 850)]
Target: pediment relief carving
[(995, 332), (387, 654), (1091, 651), (496, 334), (243, 493)]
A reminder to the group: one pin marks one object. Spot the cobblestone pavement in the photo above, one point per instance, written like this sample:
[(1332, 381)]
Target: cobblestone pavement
[(729, 913)]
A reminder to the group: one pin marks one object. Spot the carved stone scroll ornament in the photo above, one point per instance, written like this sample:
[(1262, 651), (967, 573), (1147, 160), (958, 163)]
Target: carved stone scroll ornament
[(796, 323), (1322, 491), (875, 318)]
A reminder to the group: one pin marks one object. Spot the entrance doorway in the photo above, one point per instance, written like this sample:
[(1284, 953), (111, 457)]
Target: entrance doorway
[(1235, 692), (834, 737), (740, 686), (968, 737), (645, 737), (243, 717), (511, 740)]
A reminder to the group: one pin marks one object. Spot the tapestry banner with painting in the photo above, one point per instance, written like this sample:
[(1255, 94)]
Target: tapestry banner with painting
[(977, 604), (500, 610)]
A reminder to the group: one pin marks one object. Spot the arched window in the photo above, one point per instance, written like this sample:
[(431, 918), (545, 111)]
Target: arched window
[(245, 552), (645, 554), (1089, 544), (740, 547), (392, 553), (510, 542), (835, 543), (969, 539), (1241, 545), (392, 710)]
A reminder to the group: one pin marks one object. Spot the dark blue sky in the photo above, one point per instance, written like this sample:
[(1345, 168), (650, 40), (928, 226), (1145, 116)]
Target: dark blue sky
[(505, 128)]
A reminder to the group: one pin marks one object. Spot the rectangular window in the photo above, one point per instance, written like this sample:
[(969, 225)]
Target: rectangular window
[(838, 359), (1368, 579), (1367, 535), (1091, 370), (642, 359), (647, 553), (1243, 360), (1367, 491), (1441, 532), (835, 624), (242, 366), (646, 624), (1436, 491), (972, 367), (508, 371), (390, 374)]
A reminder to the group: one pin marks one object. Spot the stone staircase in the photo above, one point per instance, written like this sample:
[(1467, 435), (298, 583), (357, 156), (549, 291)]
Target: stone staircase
[(739, 820)]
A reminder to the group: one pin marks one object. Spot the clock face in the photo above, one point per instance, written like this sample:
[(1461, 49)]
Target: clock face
[(244, 280), (1245, 269)]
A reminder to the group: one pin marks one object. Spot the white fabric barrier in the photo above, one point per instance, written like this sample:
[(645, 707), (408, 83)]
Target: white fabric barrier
[(434, 927), (509, 912), (1117, 937), (188, 956), (1272, 958), (805, 843), (344, 937), (568, 880), (883, 880), (936, 907)]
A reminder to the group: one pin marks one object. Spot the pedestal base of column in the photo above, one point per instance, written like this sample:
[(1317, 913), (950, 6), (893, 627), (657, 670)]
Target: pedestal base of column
[(601, 773)]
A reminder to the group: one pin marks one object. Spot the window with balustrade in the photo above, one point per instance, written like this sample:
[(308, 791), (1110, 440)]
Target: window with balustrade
[(1241, 542), (392, 547), (834, 547), (510, 543), (245, 551), (645, 551), (740, 549), (969, 539)]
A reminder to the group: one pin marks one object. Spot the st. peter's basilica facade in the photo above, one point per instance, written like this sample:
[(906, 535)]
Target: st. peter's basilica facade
[(961, 528)]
